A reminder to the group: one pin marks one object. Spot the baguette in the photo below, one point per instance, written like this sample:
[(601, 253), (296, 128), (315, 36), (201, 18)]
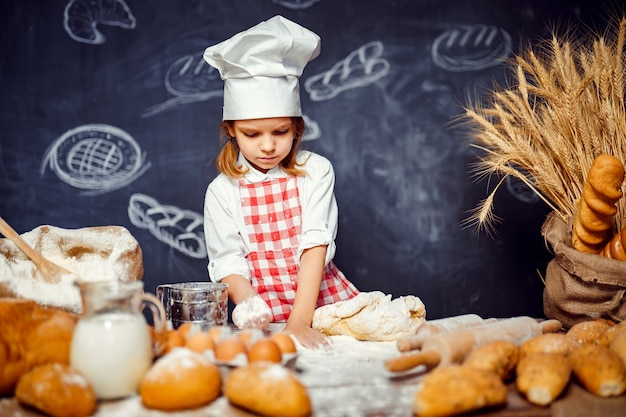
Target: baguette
[(591, 227), (599, 370), (457, 389), (499, 357), (542, 377)]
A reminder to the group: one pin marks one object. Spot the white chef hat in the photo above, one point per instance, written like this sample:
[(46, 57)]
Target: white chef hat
[(261, 67)]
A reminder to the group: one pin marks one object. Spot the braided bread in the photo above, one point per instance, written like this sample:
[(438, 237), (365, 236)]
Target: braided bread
[(615, 248), (593, 221)]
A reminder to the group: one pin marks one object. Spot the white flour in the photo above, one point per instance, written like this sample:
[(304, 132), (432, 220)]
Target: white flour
[(19, 275)]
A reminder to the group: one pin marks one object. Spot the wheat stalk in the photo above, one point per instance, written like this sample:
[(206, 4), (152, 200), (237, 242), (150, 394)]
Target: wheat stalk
[(565, 107)]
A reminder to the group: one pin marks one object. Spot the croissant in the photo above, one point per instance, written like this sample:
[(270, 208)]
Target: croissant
[(591, 228)]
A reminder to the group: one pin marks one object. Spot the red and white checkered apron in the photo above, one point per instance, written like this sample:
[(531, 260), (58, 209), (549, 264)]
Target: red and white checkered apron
[(273, 218)]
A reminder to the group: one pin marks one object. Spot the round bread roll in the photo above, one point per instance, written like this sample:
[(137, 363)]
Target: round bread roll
[(180, 380), (268, 389), (56, 390)]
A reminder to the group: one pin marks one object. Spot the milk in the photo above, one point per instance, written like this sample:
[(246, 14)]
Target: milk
[(113, 351)]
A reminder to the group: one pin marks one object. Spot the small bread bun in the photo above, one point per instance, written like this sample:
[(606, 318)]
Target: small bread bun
[(56, 390), (180, 380), (268, 389)]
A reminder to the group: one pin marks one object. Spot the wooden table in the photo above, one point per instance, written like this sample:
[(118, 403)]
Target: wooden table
[(351, 381)]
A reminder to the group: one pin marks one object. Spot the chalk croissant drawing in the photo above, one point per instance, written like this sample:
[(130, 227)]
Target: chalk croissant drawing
[(362, 67), (96, 158), (471, 48), (189, 79), (296, 4), (81, 18), (182, 230)]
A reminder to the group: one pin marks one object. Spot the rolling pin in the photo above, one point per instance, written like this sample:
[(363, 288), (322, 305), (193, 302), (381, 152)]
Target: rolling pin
[(432, 327), (452, 347)]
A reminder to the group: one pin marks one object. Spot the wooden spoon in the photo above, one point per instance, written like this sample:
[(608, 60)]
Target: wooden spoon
[(51, 272)]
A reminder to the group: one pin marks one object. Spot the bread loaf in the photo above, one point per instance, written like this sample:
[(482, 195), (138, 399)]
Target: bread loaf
[(548, 342), (499, 357), (56, 390), (542, 377), (593, 221), (599, 369), (618, 344), (588, 332), (457, 389), (180, 380), (615, 249), (268, 389), (31, 335), (605, 338)]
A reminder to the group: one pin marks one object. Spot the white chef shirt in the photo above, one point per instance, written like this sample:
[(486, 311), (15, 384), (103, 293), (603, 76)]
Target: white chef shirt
[(225, 231)]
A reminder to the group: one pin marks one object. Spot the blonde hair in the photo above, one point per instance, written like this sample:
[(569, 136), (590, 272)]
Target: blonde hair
[(226, 161)]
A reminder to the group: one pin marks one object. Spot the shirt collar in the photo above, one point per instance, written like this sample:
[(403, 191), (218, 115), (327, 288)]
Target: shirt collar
[(254, 175)]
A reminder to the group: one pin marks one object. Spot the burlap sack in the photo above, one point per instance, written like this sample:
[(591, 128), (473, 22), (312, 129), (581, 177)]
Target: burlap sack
[(580, 286)]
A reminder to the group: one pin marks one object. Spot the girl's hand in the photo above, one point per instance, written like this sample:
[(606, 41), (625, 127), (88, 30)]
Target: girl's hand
[(308, 337), (252, 313)]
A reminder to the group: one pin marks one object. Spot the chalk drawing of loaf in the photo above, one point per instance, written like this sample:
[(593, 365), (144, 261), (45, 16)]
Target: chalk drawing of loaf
[(189, 79), (296, 4), (362, 67), (96, 158), (81, 18), (182, 230), (471, 48)]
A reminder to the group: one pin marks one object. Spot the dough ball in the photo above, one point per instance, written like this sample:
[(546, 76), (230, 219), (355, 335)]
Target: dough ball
[(371, 316)]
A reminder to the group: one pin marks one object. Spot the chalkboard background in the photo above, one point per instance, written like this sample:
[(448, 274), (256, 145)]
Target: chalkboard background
[(108, 115)]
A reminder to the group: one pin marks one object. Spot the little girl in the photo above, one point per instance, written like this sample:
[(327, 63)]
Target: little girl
[(270, 216)]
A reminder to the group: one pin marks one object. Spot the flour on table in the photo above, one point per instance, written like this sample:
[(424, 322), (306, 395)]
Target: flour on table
[(371, 316)]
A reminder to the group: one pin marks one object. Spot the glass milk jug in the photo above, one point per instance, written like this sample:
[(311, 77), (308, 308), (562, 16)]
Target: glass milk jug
[(111, 345)]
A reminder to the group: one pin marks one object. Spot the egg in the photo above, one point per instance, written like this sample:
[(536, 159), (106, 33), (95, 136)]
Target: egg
[(219, 333), (200, 342), (265, 350), (250, 336), (284, 342), (173, 339), (227, 349)]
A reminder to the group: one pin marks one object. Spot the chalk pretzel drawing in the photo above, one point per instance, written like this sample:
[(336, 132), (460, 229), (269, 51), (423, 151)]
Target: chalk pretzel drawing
[(81, 18), (362, 67), (180, 229), (189, 79), (97, 158), (471, 47)]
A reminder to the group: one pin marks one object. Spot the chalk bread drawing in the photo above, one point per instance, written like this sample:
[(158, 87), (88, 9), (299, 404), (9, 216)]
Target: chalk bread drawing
[(189, 79), (471, 48), (97, 158), (81, 18), (296, 4), (312, 129), (182, 230), (362, 67)]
